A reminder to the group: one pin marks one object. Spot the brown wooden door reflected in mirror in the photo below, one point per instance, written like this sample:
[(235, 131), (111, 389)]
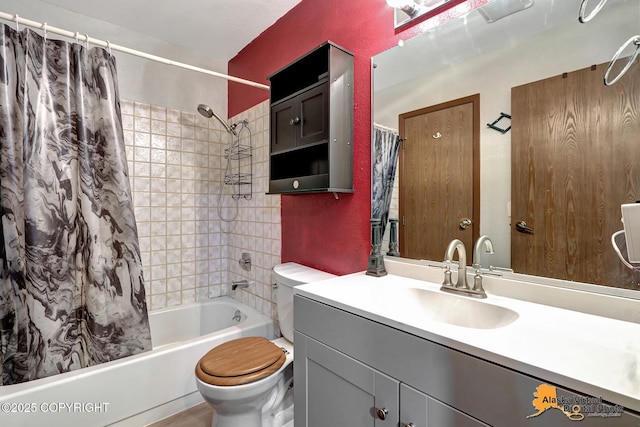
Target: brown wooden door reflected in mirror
[(575, 159), (439, 178)]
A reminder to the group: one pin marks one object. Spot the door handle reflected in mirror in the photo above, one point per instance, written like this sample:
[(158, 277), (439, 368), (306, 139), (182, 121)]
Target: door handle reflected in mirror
[(465, 223), (522, 227)]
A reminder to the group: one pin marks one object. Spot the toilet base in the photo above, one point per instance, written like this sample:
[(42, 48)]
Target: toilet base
[(277, 410), (253, 419), (278, 416), (281, 415)]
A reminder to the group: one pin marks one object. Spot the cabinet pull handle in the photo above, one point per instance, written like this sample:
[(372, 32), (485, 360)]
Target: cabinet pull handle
[(294, 121), (409, 425), (382, 413)]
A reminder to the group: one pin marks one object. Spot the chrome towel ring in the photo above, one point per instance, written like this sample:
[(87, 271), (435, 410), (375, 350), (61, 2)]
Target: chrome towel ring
[(633, 40)]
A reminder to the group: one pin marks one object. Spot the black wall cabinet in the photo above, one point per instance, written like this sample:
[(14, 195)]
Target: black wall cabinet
[(311, 129)]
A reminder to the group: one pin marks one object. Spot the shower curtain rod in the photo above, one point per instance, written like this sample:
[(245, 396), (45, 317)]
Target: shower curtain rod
[(111, 46)]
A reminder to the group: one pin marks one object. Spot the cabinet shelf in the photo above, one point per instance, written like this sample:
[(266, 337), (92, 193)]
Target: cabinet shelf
[(293, 95), (301, 149)]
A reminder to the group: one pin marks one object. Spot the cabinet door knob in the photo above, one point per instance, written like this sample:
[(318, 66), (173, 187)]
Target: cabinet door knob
[(382, 413), (294, 121), (409, 425)]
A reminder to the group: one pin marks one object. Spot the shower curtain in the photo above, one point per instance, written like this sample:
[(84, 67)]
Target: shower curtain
[(71, 285), (386, 143)]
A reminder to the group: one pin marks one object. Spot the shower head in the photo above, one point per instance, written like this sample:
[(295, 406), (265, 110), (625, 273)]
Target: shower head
[(205, 110), (208, 112)]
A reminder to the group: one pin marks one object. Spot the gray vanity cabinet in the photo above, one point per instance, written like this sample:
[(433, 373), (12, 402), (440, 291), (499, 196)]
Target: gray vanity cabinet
[(348, 369), (340, 390)]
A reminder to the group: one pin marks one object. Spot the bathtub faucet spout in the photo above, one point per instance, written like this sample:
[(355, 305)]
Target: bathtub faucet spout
[(239, 284)]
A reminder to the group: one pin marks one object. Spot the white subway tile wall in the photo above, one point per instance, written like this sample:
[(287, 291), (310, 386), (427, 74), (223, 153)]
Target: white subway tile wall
[(176, 166)]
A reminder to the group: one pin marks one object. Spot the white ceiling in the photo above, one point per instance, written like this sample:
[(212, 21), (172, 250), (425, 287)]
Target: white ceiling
[(216, 28)]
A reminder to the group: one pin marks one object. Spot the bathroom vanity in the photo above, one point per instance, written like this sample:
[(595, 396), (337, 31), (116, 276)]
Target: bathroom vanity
[(393, 351)]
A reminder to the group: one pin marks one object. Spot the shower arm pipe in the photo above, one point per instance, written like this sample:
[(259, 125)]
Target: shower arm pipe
[(111, 46)]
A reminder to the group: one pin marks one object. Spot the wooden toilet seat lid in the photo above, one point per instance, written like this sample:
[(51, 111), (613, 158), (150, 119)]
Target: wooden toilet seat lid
[(240, 361)]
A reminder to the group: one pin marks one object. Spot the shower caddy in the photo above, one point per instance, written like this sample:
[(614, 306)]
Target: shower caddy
[(239, 175)]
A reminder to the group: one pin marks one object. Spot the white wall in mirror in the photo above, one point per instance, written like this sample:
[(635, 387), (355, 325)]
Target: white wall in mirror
[(443, 65)]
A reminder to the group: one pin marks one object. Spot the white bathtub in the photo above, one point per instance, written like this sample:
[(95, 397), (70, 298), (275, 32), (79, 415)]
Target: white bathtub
[(140, 389)]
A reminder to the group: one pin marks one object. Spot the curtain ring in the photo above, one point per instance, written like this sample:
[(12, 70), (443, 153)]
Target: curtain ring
[(44, 29), (636, 41), (583, 8), (17, 18), (77, 37), (109, 46), (86, 37)]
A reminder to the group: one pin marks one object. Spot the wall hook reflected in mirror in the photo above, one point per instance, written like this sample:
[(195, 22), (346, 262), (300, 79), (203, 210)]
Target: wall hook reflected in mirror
[(437, 135), (584, 16), (630, 58), (493, 124)]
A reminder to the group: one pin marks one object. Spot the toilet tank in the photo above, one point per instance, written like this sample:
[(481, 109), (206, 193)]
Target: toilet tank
[(287, 276)]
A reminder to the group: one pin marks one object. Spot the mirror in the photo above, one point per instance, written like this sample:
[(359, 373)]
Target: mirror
[(476, 55)]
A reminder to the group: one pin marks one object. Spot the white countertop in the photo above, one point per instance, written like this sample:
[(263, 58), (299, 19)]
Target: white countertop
[(594, 355)]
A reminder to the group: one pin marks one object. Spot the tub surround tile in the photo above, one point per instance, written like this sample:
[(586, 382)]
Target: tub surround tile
[(141, 110), (173, 298), (188, 296), (126, 107), (142, 124), (176, 162), (159, 113), (158, 301), (158, 126), (253, 231)]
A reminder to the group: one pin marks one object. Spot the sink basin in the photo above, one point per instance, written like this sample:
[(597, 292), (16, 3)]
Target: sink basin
[(459, 310)]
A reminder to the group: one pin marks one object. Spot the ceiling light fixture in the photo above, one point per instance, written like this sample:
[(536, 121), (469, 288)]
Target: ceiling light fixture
[(411, 8)]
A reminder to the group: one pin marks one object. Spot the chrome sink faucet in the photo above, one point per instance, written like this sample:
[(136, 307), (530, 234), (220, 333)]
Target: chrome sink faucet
[(477, 249), (461, 285), (457, 245)]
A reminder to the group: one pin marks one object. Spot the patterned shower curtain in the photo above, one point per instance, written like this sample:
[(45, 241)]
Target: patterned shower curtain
[(71, 285), (386, 143)]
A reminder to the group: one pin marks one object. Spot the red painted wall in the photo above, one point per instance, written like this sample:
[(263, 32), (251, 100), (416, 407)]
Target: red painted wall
[(318, 230)]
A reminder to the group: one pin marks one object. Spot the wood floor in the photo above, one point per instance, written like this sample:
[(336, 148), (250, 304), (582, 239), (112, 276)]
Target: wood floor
[(198, 416)]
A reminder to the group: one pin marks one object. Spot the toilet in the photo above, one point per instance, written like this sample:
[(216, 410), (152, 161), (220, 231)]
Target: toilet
[(249, 381)]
